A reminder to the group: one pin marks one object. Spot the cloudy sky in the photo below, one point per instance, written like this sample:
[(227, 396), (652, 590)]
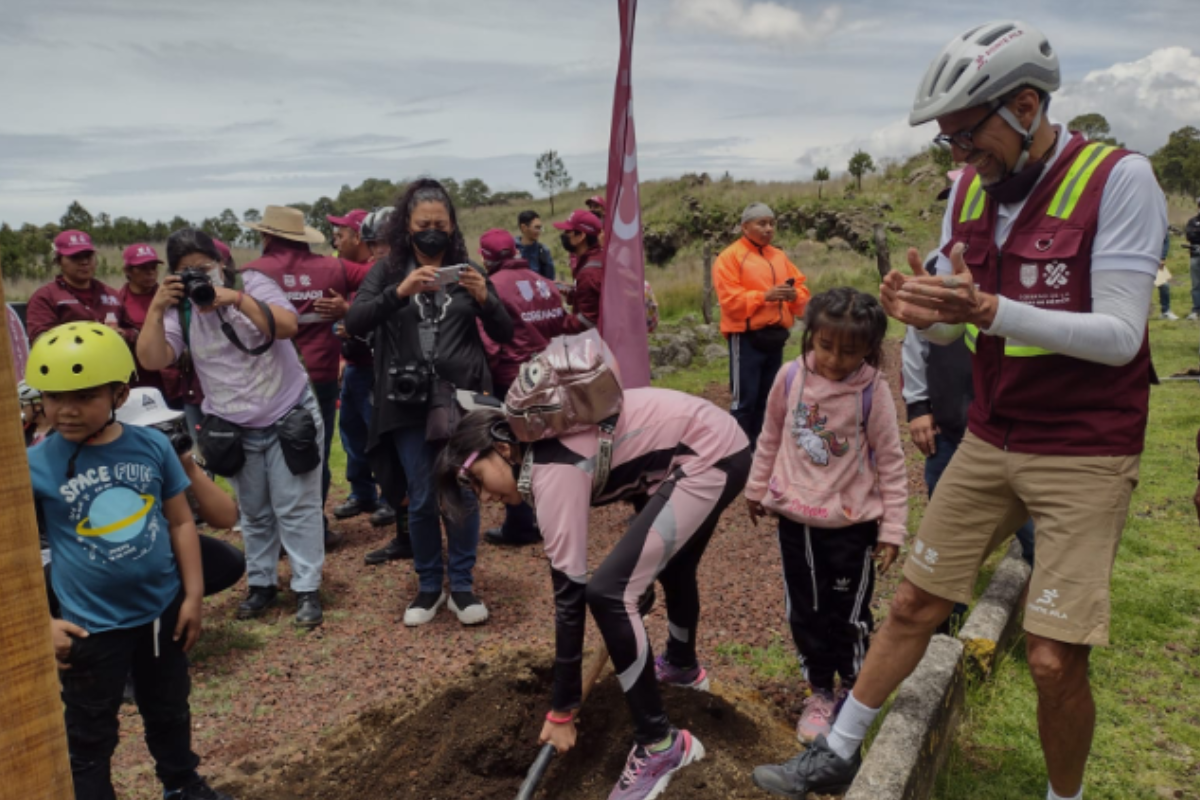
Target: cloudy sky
[(153, 108)]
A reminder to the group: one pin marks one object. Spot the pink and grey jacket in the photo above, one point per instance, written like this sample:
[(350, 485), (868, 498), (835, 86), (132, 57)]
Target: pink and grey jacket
[(819, 462)]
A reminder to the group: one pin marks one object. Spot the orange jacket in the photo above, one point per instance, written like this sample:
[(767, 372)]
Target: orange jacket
[(742, 274)]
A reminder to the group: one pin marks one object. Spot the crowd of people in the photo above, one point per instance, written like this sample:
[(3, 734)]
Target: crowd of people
[(1038, 293)]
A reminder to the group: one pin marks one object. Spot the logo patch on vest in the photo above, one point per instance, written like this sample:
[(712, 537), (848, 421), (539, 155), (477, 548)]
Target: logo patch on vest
[(1056, 275), (1029, 275)]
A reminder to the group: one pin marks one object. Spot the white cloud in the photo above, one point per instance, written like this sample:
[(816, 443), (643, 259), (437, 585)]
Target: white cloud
[(894, 140), (1143, 100), (761, 21)]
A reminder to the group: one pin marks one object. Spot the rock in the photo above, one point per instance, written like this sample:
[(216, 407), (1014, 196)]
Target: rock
[(680, 356), (657, 356), (665, 370), (707, 332), (894, 227), (715, 352), (811, 234), (687, 340), (687, 319), (838, 243)]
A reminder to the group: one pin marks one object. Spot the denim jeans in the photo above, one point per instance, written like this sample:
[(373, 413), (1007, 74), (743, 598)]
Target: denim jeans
[(1164, 297), (353, 421), (751, 375), (417, 458), (279, 507), (1195, 283), (936, 464), (327, 401), (92, 690)]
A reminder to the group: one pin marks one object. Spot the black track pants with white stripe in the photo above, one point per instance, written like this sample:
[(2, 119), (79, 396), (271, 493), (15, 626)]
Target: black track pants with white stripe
[(829, 580)]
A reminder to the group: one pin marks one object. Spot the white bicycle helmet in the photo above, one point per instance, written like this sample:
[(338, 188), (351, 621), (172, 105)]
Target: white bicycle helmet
[(26, 394), (983, 65), (373, 225)]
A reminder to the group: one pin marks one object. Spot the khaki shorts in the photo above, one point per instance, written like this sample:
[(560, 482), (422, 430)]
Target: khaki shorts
[(1078, 505)]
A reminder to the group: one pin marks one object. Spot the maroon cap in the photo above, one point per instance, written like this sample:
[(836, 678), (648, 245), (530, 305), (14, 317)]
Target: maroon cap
[(582, 222), (598, 200), (497, 245), (69, 243), (138, 254), (352, 220), (223, 249)]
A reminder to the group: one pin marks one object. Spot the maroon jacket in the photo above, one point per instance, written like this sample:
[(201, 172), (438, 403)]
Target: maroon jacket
[(536, 309), (135, 307), (588, 270), (57, 302), (1028, 400), (305, 277)]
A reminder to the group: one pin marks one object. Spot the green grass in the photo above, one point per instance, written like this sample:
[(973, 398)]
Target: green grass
[(776, 660), (1147, 684)]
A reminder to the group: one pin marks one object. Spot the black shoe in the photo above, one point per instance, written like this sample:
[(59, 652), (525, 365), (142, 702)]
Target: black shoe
[(499, 536), (395, 550), (352, 508), (817, 769), (384, 515), (260, 599), (308, 610), (198, 790), (332, 539)]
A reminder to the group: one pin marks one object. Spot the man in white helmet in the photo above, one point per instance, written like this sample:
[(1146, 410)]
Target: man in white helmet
[(1049, 250)]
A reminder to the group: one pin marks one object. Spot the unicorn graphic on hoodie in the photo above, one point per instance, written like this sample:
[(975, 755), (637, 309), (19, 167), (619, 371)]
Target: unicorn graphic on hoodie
[(808, 426)]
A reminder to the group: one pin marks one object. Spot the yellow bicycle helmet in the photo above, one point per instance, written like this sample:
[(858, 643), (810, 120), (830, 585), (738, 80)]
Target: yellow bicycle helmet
[(78, 355)]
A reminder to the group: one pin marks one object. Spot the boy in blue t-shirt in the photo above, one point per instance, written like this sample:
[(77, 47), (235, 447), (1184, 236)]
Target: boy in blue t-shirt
[(126, 557)]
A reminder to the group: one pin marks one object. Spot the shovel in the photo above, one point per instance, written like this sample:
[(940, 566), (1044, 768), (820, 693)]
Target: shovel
[(592, 674)]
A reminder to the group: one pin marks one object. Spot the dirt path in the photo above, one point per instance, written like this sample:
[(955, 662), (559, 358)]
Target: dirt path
[(264, 695)]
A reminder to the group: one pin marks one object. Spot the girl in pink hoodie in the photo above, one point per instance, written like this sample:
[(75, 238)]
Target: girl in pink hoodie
[(830, 466)]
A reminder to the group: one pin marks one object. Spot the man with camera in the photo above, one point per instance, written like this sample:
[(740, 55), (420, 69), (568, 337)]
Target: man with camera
[(317, 286)]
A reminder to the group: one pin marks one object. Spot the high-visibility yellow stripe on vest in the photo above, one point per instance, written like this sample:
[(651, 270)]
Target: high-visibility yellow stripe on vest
[(973, 203), (1072, 187), (1011, 349), (971, 336)]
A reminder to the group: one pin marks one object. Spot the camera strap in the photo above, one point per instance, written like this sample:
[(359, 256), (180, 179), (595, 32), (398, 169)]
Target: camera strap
[(228, 330)]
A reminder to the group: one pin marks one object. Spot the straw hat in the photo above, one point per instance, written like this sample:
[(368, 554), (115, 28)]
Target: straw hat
[(286, 223)]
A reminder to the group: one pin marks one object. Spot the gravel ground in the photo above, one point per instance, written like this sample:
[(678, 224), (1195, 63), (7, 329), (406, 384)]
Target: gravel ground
[(261, 687)]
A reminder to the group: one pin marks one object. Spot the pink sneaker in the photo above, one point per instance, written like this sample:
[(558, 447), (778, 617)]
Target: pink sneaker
[(647, 774), (694, 678), (816, 719)]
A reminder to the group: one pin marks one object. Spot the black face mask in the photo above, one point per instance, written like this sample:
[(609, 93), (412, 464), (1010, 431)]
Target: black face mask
[(566, 242), (1016, 187), (431, 242)]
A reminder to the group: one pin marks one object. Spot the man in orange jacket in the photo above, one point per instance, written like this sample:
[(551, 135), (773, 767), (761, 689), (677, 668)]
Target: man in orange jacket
[(761, 293)]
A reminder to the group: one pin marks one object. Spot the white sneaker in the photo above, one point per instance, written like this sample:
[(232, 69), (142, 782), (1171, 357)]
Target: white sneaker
[(423, 608), (469, 608), (1193, 315), (1168, 315)]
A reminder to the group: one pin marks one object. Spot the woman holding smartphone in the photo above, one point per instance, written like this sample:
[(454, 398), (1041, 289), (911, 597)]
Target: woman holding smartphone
[(421, 303)]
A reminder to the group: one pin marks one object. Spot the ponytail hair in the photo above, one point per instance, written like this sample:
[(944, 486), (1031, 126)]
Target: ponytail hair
[(845, 311)]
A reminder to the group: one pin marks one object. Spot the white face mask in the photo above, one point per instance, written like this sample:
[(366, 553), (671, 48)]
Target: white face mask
[(217, 276)]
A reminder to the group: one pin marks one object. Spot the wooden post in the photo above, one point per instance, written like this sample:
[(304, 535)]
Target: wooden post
[(33, 740), (883, 258), (706, 306)]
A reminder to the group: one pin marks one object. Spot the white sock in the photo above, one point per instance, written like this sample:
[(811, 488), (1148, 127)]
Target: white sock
[(1050, 795), (851, 727)]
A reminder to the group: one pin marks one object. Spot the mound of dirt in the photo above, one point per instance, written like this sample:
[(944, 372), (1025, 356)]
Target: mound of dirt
[(476, 738)]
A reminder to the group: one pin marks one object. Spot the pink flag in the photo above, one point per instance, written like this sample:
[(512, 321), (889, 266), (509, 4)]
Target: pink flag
[(18, 342), (623, 304)]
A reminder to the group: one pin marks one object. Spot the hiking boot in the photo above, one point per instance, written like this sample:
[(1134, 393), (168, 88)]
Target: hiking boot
[(308, 610), (499, 536), (817, 769), (423, 608), (197, 790), (469, 608), (384, 515), (352, 508), (395, 550), (694, 678), (647, 773), (816, 718), (259, 600), (1168, 315)]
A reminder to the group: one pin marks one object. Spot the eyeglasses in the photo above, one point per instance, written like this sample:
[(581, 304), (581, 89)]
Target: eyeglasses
[(964, 140), (465, 478)]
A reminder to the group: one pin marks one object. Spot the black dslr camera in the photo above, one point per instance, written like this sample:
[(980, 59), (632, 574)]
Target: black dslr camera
[(198, 286), (177, 432), (408, 384)]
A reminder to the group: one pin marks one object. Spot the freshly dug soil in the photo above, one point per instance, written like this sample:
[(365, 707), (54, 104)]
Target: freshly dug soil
[(476, 739)]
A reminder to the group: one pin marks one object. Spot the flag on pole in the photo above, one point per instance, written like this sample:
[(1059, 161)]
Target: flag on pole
[(18, 341), (623, 304)]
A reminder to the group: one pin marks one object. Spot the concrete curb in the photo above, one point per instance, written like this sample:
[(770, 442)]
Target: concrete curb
[(913, 742)]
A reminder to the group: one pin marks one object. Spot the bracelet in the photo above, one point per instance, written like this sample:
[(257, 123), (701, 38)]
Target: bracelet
[(238, 304), (568, 719)]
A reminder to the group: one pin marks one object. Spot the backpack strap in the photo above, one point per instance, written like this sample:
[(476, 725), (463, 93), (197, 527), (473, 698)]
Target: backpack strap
[(525, 478), (793, 368), (603, 463)]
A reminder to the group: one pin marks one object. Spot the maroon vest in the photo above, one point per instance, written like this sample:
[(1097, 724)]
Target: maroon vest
[(1030, 400)]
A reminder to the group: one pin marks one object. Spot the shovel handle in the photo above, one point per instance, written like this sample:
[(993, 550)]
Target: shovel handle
[(539, 766)]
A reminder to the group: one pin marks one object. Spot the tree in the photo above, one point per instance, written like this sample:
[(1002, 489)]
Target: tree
[(1094, 127), (452, 189), (248, 237), (552, 175), (820, 176), (178, 224), (860, 164), (1178, 162), (77, 218), (102, 230), (475, 193), (942, 158), (324, 207)]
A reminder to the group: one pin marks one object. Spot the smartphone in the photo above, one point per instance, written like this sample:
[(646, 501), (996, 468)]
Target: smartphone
[(447, 276), (790, 281)]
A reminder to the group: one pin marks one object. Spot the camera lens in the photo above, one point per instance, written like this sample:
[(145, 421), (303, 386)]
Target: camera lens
[(202, 294), (182, 443)]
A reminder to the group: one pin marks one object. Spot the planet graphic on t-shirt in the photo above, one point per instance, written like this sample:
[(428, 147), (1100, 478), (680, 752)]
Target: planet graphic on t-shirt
[(117, 515)]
